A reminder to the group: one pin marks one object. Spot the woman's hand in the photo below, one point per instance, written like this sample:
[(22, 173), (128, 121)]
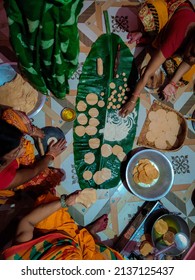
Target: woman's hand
[(37, 132), (57, 148), (71, 198), (169, 92), (127, 108)]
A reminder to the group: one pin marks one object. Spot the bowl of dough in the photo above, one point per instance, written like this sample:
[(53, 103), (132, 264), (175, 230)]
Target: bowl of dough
[(164, 230), (149, 175), (17, 93)]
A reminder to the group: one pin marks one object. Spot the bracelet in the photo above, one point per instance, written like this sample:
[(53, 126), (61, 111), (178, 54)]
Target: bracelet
[(50, 154), (63, 200), (174, 84), (132, 101)]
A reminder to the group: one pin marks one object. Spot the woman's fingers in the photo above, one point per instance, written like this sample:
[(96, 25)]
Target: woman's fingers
[(58, 147), (127, 109)]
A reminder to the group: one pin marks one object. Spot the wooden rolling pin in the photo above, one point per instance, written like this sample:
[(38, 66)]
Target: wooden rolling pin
[(41, 149), (190, 119)]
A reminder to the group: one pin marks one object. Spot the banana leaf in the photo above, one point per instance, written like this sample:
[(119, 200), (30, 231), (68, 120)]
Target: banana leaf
[(118, 70)]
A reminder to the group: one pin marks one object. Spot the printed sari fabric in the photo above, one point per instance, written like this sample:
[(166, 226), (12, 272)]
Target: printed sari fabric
[(46, 41), (57, 246), (73, 244), (50, 177), (161, 17)]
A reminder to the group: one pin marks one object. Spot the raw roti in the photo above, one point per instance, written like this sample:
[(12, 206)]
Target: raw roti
[(82, 119), (87, 197), (91, 130), (81, 106), (80, 130), (92, 98), (93, 122), (89, 158), (93, 112), (94, 143), (87, 175), (106, 150)]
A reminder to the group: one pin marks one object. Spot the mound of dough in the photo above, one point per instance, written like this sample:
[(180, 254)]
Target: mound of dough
[(87, 197), (19, 94), (161, 227)]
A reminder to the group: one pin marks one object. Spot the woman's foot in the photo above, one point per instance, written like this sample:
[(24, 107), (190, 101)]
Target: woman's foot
[(98, 225)]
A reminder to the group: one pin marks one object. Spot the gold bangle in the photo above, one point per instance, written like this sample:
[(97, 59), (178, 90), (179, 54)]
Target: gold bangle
[(132, 101)]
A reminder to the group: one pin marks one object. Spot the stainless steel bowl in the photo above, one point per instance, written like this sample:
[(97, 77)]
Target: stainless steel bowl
[(166, 175), (39, 105), (176, 224)]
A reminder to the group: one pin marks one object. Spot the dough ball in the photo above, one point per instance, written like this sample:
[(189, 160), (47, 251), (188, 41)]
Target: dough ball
[(101, 103), (112, 85)]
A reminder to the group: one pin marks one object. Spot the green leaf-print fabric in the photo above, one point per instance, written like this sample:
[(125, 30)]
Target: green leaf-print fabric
[(44, 36), (111, 130)]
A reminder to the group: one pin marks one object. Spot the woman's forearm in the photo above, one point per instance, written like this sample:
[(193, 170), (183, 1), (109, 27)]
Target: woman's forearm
[(26, 174), (182, 69), (42, 212)]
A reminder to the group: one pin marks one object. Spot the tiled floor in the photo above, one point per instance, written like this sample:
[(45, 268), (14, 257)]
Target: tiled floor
[(118, 202)]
